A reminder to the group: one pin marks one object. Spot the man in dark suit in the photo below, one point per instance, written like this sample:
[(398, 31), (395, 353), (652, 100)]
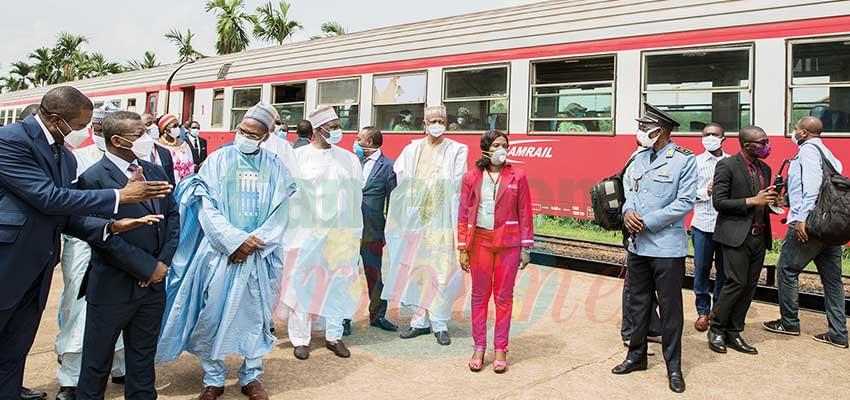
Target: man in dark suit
[(123, 286), (741, 195), (197, 144), (37, 204), (379, 180), (305, 134)]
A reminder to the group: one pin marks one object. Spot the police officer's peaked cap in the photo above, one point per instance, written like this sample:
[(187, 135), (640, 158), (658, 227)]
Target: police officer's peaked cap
[(652, 115)]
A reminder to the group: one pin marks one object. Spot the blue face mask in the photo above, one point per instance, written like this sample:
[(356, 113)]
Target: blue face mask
[(358, 150), (335, 136)]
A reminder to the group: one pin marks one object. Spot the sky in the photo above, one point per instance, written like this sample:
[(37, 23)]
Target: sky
[(124, 30)]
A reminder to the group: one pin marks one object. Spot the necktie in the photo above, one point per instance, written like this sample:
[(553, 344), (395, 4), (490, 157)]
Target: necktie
[(57, 151), (653, 156), (132, 170)]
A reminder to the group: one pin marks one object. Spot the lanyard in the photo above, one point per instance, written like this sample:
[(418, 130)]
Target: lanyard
[(495, 182)]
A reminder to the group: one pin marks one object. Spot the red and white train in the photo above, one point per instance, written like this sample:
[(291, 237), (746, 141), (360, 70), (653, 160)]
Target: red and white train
[(566, 79)]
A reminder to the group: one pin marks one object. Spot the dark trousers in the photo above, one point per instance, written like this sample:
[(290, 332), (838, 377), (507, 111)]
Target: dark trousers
[(743, 266), (648, 276), (706, 253), (372, 253), (140, 322), (18, 326), (794, 257), (627, 326)]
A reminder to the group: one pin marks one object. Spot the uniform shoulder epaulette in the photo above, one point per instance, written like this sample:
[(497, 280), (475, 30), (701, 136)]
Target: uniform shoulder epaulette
[(684, 151)]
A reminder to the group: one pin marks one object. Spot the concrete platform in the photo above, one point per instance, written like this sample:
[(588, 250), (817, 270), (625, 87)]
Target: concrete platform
[(565, 341)]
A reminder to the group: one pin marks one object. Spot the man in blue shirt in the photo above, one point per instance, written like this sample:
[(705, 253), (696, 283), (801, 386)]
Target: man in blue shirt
[(660, 191), (798, 250)]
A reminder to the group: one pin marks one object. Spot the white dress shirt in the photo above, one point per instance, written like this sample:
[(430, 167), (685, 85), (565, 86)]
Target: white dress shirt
[(705, 216), (124, 166), (369, 164), (51, 142)]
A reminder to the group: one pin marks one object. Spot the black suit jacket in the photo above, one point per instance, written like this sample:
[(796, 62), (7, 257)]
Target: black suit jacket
[(37, 204), (732, 186), (115, 271), (376, 193), (166, 162), (198, 154)]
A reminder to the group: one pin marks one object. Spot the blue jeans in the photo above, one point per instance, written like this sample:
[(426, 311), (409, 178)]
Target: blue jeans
[(706, 251), (794, 257)]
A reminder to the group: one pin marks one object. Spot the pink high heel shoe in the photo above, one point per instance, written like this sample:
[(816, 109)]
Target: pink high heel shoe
[(500, 366), (476, 364)]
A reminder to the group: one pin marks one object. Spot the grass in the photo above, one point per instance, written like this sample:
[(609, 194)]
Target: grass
[(586, 230)]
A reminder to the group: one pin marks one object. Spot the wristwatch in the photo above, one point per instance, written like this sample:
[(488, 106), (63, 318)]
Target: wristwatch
[(109, 226)]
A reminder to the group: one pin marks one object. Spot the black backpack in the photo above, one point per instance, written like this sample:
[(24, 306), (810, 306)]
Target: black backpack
[(607, 198), (829, 221)]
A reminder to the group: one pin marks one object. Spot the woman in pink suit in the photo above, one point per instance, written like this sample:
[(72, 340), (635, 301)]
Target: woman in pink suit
[(494, 229)]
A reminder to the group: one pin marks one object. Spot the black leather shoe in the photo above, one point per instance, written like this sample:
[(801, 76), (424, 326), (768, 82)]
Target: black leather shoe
[(629, 366), (677, 382), (443, 338), (716, 342), (384, 324), (414, 332), (118, 380), (736, 342), (67, 393), (29, 394), (346, 327)]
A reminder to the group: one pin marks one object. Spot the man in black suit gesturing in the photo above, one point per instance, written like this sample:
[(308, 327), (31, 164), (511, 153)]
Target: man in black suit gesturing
[(741, 195), (123, 286)]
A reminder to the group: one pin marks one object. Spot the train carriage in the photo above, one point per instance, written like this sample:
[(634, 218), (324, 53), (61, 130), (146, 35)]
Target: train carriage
[(565, 78)]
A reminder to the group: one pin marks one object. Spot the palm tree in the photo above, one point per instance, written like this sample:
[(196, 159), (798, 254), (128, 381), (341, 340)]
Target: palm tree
[(97, 65), (185, 51), (330, 29), (11, 84), (44, 68), (230, 28), (22, 74), (66, 55), (273, 25), (148, 61)]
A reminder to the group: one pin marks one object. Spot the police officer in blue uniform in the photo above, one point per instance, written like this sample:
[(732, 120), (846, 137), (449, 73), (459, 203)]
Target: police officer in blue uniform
[(660, 191)]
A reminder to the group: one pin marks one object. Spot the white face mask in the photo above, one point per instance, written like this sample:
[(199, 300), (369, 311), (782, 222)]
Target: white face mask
[(142, 147), (794, 138), (174, 132), (436, 130), (99, 141), (153, 131), (194, 132), (245, 145), (644, 137), (74, 138), (711, 142), (499, 156)]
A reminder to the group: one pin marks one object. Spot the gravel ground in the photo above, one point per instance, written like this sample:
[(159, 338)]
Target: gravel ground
[(809, 282)]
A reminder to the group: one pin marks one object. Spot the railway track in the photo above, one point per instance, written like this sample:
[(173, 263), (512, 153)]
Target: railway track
[(766, 292)]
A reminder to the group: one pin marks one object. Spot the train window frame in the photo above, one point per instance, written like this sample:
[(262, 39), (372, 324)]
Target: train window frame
[(220, 123), (357, 102), (3, 117), (532, 85), (374, 105), (292, 125), (790, 85), (750, 90), (507, 97), (233, 122)]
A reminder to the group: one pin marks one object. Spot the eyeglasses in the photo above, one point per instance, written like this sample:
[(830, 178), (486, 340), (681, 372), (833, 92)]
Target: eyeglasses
[(250, 135)]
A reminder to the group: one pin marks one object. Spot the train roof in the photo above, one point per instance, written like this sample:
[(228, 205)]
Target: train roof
[(537, 24)]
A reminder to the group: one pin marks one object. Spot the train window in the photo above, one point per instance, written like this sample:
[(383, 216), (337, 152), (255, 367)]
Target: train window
[(131, 105), (476, 98), (573, 96), (820, 83), (288, 99), (98, 104), (344, 96), (2, 117), (701, 86), (399, 102), (218, 108), (243, 99)]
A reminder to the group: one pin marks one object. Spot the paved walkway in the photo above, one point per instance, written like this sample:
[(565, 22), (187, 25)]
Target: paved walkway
[(565, 341)]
